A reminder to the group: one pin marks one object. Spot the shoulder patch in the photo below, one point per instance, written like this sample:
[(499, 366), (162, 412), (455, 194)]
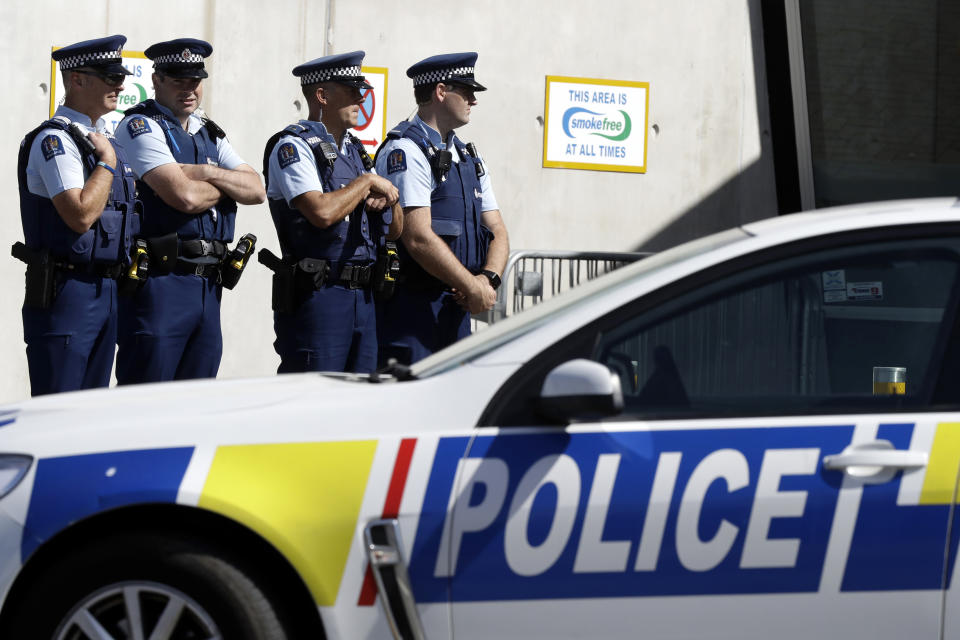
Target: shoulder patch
[(287, 154), (137, 125), (396, 161), (51, 146)]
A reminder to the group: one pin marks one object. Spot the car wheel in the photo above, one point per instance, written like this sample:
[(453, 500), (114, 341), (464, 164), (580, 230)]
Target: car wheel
[(148, 587)]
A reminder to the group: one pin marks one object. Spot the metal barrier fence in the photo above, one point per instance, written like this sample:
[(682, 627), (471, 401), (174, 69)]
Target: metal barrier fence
[(531, 277)]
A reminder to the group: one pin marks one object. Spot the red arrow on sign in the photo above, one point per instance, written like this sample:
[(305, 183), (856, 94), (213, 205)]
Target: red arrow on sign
[(370, 143)]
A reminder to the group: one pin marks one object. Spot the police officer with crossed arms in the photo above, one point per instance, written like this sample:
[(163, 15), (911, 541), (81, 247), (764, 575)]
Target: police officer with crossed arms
[(77, 205), (190, 180), (454, 244), (332, 214)]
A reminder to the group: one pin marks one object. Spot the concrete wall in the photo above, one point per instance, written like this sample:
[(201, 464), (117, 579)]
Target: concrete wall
[(709, 160)]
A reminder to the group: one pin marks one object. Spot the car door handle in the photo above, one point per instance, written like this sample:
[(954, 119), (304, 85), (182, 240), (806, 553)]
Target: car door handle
[(879, 454)]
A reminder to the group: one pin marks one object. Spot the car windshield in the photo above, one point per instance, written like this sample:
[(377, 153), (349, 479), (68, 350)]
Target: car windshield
[(513, 327)]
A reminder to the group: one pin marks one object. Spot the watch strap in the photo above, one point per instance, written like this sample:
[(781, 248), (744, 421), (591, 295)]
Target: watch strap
[(493, 277)]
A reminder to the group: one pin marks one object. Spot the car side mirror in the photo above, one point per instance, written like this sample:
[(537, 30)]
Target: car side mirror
[(580, 389)]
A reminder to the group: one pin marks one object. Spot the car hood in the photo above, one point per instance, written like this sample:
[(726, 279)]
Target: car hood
[(288, 407)]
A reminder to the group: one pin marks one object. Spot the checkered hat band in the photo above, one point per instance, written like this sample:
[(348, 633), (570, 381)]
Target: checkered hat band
[(328, 74), (178, 57), (84, 59), (440, 75)]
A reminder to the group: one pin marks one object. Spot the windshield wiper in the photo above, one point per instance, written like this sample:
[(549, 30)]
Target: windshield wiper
[(393, 369)]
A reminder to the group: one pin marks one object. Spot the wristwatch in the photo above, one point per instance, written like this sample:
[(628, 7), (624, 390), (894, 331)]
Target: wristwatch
[(493, 278)]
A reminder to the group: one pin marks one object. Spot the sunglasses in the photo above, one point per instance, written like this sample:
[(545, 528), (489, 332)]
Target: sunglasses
[(463, 90), (112, 79)]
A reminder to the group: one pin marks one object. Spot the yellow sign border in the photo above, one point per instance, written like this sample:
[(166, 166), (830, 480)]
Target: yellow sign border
[(554, 164), (386, 84), (53, 73)]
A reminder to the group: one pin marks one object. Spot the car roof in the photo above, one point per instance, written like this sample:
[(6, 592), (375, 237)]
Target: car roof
[(696, 253), (857, 216)]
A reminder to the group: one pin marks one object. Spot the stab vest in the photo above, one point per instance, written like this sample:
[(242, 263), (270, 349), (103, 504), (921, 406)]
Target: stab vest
[(108, 240), (350, 241), (455, 205), (159, 218)]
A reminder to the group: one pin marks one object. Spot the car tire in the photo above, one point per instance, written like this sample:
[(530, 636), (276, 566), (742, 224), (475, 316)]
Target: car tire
[(185, 586)]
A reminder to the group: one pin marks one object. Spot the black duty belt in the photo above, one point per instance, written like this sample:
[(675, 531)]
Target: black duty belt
[(199, 248), (185, 268), (355, 276), (111, 271)]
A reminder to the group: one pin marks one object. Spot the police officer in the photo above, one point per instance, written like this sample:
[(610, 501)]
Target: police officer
[(190, 180), (78, 212), (331, 215), (454, 244)]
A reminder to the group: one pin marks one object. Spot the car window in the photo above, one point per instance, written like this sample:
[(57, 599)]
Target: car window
[(805, 334), (512, 327)]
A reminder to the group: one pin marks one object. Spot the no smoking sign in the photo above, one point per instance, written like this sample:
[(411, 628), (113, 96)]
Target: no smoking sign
[(372, 124)]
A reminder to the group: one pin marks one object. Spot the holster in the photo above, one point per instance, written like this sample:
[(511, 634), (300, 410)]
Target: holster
[(284, 295), (386, 271), (236, 261), (311, 274), (135, 275), (163, 251), (293, 280), (41, 280), (283, 299)]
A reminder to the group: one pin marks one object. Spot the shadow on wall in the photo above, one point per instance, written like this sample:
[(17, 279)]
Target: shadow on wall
[(752, 194), (738, 201)]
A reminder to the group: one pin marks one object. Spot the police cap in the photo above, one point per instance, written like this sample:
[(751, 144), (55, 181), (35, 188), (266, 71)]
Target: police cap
[(180, 58), (102, 54), (342, 67), (449, 68)]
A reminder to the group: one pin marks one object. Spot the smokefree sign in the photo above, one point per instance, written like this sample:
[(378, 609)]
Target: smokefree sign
[(596, 124)]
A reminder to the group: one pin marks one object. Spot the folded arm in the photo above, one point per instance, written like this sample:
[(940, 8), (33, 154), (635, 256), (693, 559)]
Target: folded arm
[(181, 192), (325, 209), (242, 184)]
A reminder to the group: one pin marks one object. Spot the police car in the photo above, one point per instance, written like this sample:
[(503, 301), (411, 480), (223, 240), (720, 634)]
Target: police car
[(753, 435)]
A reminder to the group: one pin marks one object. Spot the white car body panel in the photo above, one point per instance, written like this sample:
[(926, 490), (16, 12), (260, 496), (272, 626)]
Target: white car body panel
[(206, 426)]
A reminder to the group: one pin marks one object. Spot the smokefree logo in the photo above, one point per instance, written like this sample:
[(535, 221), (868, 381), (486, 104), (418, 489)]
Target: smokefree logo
[(614, 126)]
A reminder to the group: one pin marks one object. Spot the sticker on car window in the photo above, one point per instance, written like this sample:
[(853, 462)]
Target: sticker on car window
[(860, 291), (833, 280), (835, 295)]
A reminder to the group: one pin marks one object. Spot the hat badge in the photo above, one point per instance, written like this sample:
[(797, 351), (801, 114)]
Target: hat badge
[(185, 54)]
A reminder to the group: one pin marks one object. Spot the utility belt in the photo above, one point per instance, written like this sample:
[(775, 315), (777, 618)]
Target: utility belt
[(204, 270), (295, 280), (200, 248), (355, 276), (110, 271), (155, 256), (166, 252), (169, 254), (42, 270)]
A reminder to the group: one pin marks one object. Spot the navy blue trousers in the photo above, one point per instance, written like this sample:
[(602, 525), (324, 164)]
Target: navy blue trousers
[(170, 330), (414, 324), (335, 329), (70, 346)]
